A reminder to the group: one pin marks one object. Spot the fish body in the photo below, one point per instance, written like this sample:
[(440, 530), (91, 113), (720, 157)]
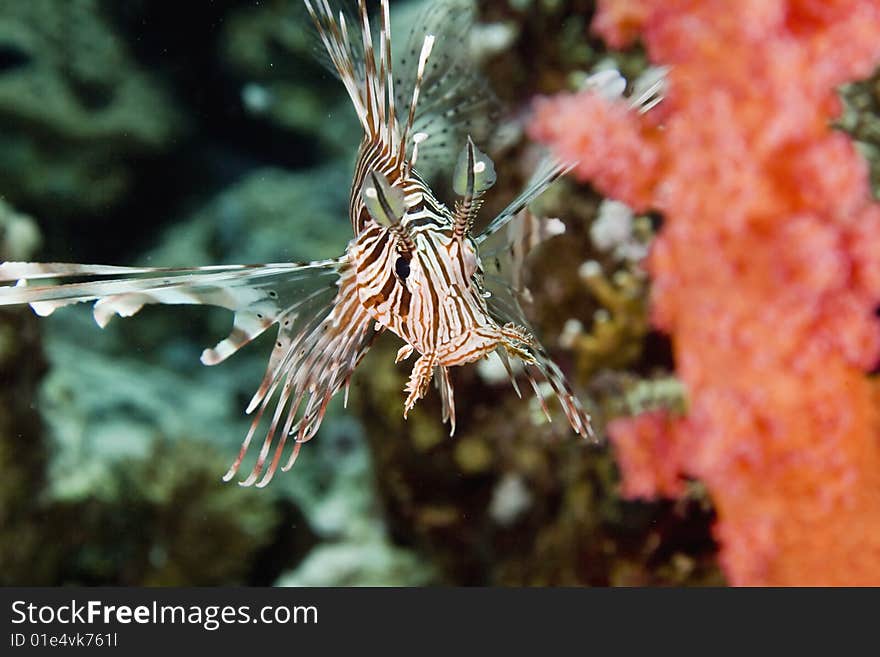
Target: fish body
[(413, 267)]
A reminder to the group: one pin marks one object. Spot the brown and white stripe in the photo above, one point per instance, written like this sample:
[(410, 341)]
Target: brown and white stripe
[(419, 275)]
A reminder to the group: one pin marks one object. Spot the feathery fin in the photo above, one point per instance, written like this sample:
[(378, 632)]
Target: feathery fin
[(322, 332)]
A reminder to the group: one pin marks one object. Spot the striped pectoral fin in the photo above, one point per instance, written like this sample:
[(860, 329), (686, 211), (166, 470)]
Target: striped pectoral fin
[(322, 330), (315, 355), (504, 254), (548, 171), (505, 309), (246, 326), (539, 365), (257, 294), (346, 61)]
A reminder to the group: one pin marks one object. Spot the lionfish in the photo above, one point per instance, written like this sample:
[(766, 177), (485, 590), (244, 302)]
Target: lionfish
[(414, 266)]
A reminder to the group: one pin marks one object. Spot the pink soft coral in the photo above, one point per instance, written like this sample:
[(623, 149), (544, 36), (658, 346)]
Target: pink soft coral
[(766, 273)]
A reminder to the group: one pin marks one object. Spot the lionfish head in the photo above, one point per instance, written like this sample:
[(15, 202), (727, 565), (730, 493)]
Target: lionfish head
[(417, 267), (420, 273)]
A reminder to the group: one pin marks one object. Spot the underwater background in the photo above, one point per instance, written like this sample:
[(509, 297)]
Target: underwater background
[(184, 134)]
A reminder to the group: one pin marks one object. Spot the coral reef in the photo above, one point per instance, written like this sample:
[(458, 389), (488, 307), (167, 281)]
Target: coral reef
[(88, 497), (160, 392), (619, 326), (861, 119), (23, 463), (532, 63), (176, 133), (271, 57), (512, 500), (73, 125), (161, 519), (764, 273), (153, 430), (117, 479), (19, 235)]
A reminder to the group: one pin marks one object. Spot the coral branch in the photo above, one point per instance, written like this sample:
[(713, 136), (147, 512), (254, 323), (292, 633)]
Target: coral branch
[(766, 273)]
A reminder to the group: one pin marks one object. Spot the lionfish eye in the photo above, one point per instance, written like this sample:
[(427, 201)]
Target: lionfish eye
[(474, 171), (385, 203), (401, 268)]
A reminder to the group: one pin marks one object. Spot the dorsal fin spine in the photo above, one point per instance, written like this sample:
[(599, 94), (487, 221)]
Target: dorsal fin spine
[(427, 46), (334, 36), (389, 75), (373, 109), (372, 89)]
